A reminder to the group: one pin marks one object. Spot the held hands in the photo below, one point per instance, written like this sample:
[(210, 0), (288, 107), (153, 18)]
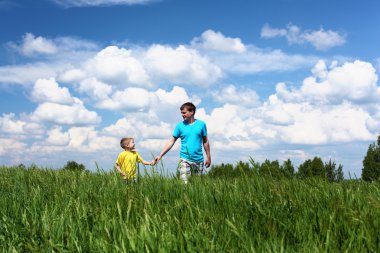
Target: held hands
[(155, 160)]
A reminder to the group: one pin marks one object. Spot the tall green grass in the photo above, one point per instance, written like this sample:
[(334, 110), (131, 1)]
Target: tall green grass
[(45, 210)]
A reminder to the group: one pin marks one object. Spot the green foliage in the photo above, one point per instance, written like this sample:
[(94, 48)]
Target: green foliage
[(371, 162), (64, 211), (74, 166), (273, 169), (316, 168)]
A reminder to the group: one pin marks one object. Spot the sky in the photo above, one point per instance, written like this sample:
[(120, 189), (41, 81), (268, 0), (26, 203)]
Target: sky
[(274, 79)]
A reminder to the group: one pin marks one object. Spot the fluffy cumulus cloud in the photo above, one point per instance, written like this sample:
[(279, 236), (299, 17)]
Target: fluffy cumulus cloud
[(86, 3), (75, 139), (331, 106), (9, 146), (211, 40), (95, 89), (242, 96), (320, 39), (181, 65), (75, 114), (10, 125), (117, 66), (353, 81), (48, 90)]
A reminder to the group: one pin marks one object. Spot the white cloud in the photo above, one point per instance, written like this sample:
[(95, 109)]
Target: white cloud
[(32, 45), (117, 66), (95, 89), (57, 138), (130, 98), (332, 106), (258, 61), (86, 3), (134, 98), (48, 90), (75, 114), (211, 40), (181, 65), (320, 39), (139, 129), (353, 81), (10, 146), (72, 76), (11, 126), (30, 72), (269, 32), (242, 96), (75, 139)]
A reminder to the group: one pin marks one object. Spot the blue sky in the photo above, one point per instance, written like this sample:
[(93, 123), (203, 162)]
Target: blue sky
[(272, 79)]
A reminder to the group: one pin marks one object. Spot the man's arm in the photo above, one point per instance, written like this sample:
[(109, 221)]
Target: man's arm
[(166, 148), (206, 145)]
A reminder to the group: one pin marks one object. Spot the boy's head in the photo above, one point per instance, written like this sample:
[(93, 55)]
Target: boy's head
[(127, 143)]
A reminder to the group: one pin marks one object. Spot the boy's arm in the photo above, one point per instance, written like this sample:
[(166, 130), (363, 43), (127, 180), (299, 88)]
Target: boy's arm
[(148, 163), (206, 145), (119, 170)]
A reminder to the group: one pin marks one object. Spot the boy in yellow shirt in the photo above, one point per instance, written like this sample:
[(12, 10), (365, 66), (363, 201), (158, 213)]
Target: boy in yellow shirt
[(126, 160)]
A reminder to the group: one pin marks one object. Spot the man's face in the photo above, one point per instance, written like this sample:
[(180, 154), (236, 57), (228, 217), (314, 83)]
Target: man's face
[(186, 114)]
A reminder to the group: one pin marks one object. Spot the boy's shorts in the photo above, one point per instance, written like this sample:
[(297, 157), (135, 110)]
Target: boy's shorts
[(187, 168)]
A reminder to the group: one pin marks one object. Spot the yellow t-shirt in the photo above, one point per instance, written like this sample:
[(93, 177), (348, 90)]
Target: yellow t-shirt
[(127, 161)]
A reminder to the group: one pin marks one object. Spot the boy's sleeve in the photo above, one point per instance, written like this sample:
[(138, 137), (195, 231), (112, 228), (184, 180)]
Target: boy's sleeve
[(118, 160), (139, 159)]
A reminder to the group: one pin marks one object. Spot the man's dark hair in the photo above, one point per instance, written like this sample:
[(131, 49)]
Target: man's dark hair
[(189, 106)]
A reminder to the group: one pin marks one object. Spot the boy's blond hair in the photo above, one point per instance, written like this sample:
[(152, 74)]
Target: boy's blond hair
[(127, 140)]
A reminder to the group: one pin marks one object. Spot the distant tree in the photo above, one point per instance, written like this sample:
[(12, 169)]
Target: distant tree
[(242, 168), (271, 169), (332, 173), (371, 162), (304, 169), (287, 169), (74, 166), (311, 168), (226, 170)]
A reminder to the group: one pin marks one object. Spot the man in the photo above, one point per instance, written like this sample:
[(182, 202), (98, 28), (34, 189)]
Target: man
[(193, 133)]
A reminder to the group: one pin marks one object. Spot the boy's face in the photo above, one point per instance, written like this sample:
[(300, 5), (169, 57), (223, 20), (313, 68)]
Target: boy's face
[(130, 145), (186, 114)]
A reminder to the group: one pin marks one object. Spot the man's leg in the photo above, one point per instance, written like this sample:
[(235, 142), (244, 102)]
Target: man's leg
[(184, 170)]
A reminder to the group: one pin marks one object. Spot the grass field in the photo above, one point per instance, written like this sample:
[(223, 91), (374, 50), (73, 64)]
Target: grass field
[(44, 210)]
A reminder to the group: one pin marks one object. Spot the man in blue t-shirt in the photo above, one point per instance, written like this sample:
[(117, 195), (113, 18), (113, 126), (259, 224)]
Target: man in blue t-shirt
[(193, 133)]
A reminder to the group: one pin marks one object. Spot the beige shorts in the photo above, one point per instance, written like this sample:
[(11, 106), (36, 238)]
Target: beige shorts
[(187, 168)]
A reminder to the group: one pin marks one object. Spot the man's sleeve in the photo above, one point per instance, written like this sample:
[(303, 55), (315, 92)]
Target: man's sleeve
[(204, 130), (176, 132)]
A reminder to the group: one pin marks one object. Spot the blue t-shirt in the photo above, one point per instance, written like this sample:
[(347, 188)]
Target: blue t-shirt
[(191, 139)]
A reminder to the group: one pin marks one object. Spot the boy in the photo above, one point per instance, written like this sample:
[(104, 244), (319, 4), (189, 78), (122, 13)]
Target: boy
[(126, 160)]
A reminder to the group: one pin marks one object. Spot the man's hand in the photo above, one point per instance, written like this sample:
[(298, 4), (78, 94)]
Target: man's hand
[(208, 162), (156, 159)]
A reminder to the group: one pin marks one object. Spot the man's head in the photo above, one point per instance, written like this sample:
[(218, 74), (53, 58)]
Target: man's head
[(188, 111), (188, 106)]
